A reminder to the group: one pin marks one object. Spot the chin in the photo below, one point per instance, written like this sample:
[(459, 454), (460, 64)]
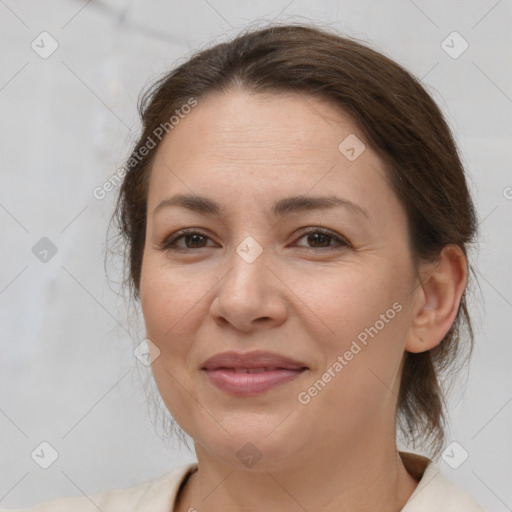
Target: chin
[(254, 447)]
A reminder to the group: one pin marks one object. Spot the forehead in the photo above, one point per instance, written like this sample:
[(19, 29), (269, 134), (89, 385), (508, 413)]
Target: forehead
[(241, 143), (281, 124)]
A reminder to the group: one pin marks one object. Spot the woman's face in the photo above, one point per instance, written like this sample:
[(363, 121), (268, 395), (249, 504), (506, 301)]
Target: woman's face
[(327, 284)]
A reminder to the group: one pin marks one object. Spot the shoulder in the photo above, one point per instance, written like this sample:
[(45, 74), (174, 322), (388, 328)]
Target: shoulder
[(159, 493), (436, 492)]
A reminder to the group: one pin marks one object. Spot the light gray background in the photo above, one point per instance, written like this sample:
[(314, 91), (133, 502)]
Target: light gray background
[(67, 372)]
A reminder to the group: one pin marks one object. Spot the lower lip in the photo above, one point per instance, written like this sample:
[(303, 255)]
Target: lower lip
[(250, 384)]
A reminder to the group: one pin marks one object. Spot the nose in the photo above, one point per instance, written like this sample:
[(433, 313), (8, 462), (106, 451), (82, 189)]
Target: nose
[(250, 296)]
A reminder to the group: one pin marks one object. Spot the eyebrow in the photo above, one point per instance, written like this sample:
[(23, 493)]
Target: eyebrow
[(286, 206)]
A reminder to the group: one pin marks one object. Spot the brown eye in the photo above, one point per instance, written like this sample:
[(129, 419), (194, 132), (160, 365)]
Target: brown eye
[(194, 241), (190, 240), (320, 239)]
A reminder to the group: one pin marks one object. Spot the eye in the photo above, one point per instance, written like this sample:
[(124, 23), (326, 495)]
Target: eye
[(191, 239), (321, 239), (318, 238)]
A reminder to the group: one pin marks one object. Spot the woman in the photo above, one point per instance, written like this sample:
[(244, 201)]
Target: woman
[(296, 219)]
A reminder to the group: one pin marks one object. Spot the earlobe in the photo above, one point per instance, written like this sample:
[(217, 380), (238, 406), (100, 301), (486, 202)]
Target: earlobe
[(442, 286)]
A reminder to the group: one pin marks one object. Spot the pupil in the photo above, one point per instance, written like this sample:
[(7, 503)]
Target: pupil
[(316, 236), (195, 238)]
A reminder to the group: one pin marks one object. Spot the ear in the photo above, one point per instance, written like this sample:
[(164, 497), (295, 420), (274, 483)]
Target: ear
[(437, 298)]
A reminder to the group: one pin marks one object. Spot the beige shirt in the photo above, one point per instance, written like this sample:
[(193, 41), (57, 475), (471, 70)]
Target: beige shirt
[(434, 493)]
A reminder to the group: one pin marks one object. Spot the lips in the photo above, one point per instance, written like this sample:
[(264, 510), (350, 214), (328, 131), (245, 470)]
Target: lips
[(251, 373), (251, 360)]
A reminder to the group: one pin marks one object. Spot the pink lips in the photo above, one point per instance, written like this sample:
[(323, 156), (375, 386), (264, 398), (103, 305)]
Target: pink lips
[(252, 373)]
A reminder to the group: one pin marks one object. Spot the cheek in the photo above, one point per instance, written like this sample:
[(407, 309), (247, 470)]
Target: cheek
[(370, 320), (343, 301), (169, 299), (168, 309), (174, 303), (366, 321), (164, 307)]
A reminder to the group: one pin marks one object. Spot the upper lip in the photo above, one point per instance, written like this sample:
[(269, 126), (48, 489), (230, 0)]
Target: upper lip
[(256, 359)]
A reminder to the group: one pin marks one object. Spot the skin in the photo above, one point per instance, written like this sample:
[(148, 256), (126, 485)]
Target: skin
[(302, 297)]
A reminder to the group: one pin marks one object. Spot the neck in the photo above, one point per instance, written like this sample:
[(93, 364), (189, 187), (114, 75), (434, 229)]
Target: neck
[(346, 479)]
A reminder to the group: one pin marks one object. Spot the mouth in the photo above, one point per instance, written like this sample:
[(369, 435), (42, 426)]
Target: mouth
[(251, 374), (250, 382)]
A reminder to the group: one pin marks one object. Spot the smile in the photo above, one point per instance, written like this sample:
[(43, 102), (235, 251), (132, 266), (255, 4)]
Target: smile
[(250, 381)]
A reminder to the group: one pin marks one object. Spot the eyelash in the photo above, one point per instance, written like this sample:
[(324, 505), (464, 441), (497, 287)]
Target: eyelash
[(168, 243)]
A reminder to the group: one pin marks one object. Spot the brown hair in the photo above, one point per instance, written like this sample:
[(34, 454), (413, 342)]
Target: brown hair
[(400, 121)]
